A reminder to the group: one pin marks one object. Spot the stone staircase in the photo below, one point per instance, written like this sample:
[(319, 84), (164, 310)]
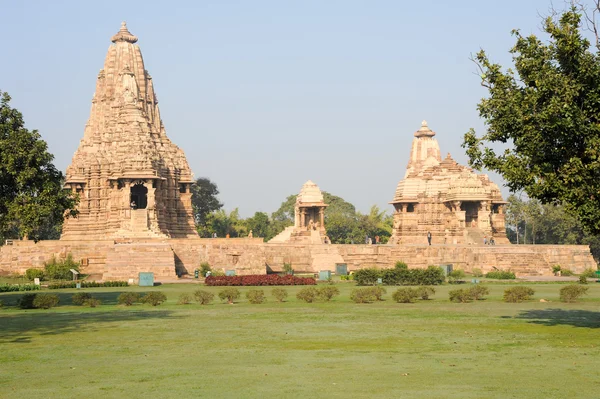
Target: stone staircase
[(474, 236), (284, 236), (138, 226)]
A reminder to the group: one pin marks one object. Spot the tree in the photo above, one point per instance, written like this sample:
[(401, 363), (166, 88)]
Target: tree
[(32, 199), (260, 226), (222, 223), (204, 201), (546, 116)]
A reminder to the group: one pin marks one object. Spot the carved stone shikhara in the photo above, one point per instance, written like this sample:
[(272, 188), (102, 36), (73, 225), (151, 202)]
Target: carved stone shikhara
[(132, 181), (448, 200)]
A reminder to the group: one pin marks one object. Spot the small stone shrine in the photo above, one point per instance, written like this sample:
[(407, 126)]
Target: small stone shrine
[(449, 200), (309, 218), (132, 181)]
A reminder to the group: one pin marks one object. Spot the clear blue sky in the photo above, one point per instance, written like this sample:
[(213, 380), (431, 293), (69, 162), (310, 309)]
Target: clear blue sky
[(264, 95)]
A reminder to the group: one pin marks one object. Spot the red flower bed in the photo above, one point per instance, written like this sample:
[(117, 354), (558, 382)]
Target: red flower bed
[(259, 279)]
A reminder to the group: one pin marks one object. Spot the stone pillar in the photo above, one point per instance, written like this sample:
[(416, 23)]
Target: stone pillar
[(322, 217)]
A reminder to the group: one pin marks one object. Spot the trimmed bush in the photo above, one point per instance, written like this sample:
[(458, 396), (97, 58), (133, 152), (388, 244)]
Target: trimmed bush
[(327, 292), (18, 287), (258, 280), (279, 293), (455, 276), (477, 272), (229, 294), (308, 294), (583, 280), (128, 298), (572, 292), (204, 297), (26, 301), (154, 298), (80, 298), (405, 295), (518, 294), (204, 268), (32, 274), (45, 301), (367, 276), (589, 273), (184, 299), (378, 292), (425, 292), (461, 295), (93, 302), (60, 269), (255, 296), (477, 291), (362, 295), (566, 272), (501, 275)]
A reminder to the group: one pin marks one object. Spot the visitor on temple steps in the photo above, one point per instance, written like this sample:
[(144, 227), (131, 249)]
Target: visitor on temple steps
[(429, 237)]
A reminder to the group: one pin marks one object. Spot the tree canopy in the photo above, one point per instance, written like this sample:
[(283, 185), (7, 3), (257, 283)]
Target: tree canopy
[(545, 114), (32, 200), (204, 202)]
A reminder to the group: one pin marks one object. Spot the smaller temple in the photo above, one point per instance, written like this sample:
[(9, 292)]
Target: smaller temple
[(448, 200), (309, 218)]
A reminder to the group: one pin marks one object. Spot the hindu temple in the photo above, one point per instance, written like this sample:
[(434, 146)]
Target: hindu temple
[(447, 200), (132, 181)]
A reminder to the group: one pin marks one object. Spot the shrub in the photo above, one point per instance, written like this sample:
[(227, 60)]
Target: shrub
[(1, 303), (184, 299), (433, 275), (231, 294), (401, 265), (589, 273), (60, 269), (566, 272), (93, 302), (555, 269), (287, 269), (461, 295), (258, 280), (18, 287), (392, 276), (367, 276), (255, 296), (583, 280), (518, 294), (87, 284), (477, 272), (478, 291), (405, 295), (45, 301), (424, 292), (455, 276), (572, 292), (308, 294), (32, 274), (280, 294), (204, 268), (154, 298), (378, 292), (362, 295), (80, 298), (128, 298), (501, 275), (26, 301), (327, 292), (203, 297)]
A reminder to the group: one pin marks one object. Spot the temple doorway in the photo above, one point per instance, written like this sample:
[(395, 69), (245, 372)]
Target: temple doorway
[(471, 210), (139, 196)]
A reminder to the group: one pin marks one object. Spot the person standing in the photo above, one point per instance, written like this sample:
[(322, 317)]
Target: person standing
[(429, 237)]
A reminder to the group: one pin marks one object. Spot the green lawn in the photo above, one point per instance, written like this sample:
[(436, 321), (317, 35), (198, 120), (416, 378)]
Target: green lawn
[(430, 349)]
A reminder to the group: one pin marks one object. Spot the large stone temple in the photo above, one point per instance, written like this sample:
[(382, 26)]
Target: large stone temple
[(309, 218), (448, 200), (132, 181)]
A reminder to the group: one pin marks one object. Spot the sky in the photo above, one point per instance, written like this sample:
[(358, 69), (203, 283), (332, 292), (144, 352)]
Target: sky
[(265, 95)]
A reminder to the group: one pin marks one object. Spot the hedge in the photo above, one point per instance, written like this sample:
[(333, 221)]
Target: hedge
[(87, 284), (257, 280), (18, 287)]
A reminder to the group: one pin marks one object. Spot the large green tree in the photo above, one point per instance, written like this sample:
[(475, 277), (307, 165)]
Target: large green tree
[(204, 202), (32, 200), (543, 118)]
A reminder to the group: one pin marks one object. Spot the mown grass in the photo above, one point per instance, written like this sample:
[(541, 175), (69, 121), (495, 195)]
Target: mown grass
[(338, 349)]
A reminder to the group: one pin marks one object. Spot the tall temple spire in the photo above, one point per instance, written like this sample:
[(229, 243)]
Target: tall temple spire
[(425, 150), (131, 179)]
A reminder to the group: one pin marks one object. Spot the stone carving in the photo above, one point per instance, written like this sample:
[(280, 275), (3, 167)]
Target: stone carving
[(449, 200), (131, 179)]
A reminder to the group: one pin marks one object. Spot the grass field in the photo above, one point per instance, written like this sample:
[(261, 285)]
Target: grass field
[(429, 349)]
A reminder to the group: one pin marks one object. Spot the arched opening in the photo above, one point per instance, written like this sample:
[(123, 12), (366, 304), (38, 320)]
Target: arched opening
[(139, 196), (471, 209)]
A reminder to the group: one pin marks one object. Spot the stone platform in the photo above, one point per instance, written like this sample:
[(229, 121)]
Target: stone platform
[(167, 258)]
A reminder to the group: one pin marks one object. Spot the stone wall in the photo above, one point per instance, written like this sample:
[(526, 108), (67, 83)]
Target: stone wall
[(123, 259)]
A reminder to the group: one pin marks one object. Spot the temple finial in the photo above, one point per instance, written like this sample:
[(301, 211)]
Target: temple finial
[(123, 35), (424, 131)]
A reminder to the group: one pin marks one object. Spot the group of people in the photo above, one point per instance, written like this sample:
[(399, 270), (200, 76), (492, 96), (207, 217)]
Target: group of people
[(491, 241)]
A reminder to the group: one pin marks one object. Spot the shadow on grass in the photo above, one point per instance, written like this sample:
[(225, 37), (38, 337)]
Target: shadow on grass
[(554, 317), (22, 327), (66, 298)]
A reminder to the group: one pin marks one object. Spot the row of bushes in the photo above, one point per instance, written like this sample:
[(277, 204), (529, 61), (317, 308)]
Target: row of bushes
[(18, 287), (501, 275), (54, 270), (400, 275), (87, 284), (258, 280)]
